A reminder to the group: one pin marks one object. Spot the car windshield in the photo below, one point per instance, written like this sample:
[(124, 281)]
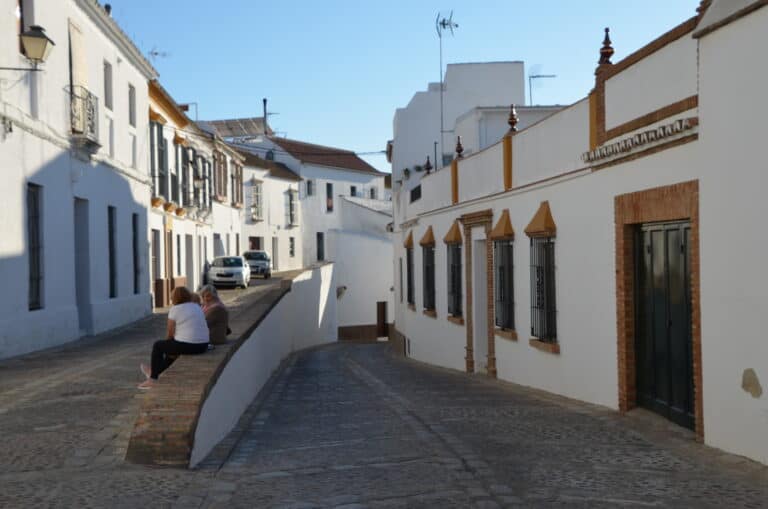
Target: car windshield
[(230, 261), (256, 256)]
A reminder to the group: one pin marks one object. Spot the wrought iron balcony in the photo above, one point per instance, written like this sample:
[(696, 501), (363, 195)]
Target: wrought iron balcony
[(84, 114)]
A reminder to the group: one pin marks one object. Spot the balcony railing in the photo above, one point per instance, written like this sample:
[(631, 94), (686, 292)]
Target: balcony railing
[(84, 114)]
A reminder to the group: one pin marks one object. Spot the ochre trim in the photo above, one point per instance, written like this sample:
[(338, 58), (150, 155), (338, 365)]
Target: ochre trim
[(652, 47), (542, 224), (156, 117), (454, 234), (480, 217), (430, 313), (179, 139), (428, 240), (506, 334), (544, 346), (458, 320), (667, 111), (647, 152), (454, 181), (503, 228), (668, 203), (408, 244), (507, 150), (168, 105)]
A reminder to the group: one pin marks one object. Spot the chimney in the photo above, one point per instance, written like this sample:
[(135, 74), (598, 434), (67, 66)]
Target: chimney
[(108, 8), (265, 114)]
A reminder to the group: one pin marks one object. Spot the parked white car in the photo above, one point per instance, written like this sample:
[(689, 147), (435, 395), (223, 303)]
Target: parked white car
[(230, 270), (260, 262)]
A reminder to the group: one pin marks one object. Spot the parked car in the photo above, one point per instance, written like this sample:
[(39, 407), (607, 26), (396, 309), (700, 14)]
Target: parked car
[(260, 263), (230, 270)]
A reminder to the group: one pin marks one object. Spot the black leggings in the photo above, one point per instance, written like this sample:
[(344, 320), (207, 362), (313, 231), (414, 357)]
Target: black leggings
[(161, 351)]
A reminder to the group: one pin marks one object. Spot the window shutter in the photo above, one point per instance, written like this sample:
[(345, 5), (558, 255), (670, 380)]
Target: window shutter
[(78, 59), (451, 282)]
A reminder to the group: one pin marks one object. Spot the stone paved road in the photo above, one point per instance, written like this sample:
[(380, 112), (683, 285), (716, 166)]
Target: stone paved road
[(353, 426), (349, 426)]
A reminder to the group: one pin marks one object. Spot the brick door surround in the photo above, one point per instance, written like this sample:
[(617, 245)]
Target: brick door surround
[(667, 203), (484, 219)]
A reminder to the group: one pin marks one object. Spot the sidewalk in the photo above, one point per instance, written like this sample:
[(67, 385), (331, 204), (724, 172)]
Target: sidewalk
[(75, 405)]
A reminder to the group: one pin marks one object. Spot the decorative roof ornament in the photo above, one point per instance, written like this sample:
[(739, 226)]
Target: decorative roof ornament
[(459, 147), (428, 166), (606, 52), (513, 119), (703, 6)]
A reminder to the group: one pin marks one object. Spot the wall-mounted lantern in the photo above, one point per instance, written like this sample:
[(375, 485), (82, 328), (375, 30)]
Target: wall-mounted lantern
[(37, 47)]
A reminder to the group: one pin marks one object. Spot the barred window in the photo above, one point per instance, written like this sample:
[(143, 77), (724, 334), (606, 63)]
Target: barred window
[(504, 288), (409, 276), (428, 258), (543, 309), (112, 250), (454, 280), (35, 245)]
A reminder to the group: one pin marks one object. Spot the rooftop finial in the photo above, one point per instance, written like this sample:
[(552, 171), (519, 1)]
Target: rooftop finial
[(459, 148), (428, 166), (512, 121), (607, 50)]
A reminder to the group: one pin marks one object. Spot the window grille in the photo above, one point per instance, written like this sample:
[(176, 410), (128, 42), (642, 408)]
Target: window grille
[(35, 243), (409, 275), (543, 310), (329, 197), (132, 105), (504, 287), (136, 246), (291, 247), (112, 240), (428, 253), (310, 187), (454, 279), (320, 246)]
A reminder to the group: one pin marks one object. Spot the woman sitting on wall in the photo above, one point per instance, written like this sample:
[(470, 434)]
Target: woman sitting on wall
[(216, 314), (187, 334)]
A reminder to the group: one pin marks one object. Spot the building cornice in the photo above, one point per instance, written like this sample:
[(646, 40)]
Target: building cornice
[(109, 27)]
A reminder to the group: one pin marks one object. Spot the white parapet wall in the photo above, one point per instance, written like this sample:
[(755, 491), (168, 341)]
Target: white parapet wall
[(303, 318)]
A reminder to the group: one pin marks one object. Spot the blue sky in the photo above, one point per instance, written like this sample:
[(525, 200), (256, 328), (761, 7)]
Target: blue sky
[(335, 71)]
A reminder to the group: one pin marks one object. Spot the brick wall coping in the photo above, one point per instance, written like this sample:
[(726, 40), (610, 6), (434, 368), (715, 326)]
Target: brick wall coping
[(164, 431)]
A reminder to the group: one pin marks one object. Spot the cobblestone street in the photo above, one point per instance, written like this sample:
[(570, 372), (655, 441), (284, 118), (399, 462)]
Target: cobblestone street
[(350, 426)]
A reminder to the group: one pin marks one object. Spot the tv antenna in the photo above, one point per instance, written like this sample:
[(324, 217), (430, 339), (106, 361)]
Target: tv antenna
[(532, 77), (441, 25), (155, 53)]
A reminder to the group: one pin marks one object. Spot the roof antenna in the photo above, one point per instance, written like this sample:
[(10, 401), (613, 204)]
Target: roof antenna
[(441, 25), (155, 53), (264, 102)]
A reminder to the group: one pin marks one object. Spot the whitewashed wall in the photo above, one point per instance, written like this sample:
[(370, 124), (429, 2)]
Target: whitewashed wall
[(733, 208), (273, 222), (39, 151), (281, 333), (727, 162), (667, 76)]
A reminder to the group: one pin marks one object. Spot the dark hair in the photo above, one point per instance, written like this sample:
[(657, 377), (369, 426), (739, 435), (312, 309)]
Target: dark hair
[(180, 295)]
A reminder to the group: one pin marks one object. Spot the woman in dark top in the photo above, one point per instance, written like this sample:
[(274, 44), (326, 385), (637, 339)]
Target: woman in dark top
[(216, 314)]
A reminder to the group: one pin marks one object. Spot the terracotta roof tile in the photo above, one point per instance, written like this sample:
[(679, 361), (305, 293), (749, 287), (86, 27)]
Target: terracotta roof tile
[(324, 156), (276, 169)]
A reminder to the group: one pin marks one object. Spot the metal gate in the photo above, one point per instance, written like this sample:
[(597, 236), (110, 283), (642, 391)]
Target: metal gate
[(663, 342)]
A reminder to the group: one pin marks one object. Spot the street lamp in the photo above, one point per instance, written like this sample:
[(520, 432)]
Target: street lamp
[(37, 46)]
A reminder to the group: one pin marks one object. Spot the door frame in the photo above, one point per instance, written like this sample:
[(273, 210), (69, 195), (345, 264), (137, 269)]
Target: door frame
[(484, 219), (675, 202)]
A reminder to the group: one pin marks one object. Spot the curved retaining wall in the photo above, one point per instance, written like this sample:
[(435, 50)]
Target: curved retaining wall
[(200, 398)]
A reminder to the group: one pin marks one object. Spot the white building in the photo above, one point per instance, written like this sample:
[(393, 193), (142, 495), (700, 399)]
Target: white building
[(272, 218), (74, 149), (344, 209), (475, 105), (197, 197), (612, 252)]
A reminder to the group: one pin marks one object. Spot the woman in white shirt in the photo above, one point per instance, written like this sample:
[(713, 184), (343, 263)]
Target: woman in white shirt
[(187, 335)]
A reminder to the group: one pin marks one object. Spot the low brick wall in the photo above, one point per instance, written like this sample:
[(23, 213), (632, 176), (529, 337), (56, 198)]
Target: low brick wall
[(165, 428)]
